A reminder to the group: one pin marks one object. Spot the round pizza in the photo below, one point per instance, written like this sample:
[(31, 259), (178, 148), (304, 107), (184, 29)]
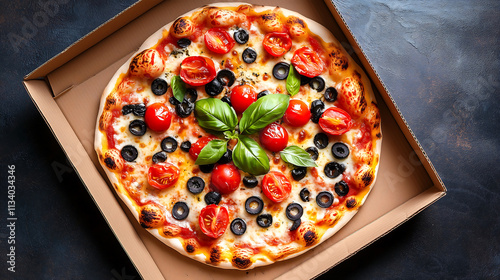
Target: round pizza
[(240, 135)]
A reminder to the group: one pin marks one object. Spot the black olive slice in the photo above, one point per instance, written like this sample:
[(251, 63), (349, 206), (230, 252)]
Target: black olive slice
[(227, 100), (324, 199), (341, 188), (169, 144), (159, 157), (207, 168), (249, 55), (280, 70), (330, 94), (313, 152), (195, 185), (173, 101), (340, 150), (180, 211), (191, 95), (183, 43), (159, 86), (294, 211), (212, 198), (137, 127), (139, 110), (295, 225), (317, 83), (321, 140), (334, 169), (226, 76), (214, 88), (184, 109), (127, 109), (129, 153), (304, 80), (254, 205), (238, 226), (298, 173), (227, 157), (304, 194), (186, 146), (241, 36), (250, 181), (265, 220), (317, 107), (262, 93)]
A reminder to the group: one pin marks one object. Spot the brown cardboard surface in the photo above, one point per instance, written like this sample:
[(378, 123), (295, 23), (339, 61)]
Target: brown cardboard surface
[(406, 181)]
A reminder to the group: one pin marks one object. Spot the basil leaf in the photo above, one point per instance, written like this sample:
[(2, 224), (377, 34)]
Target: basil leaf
[(215, 115), (212, 152), (250, 157), (264, 111), (178, 88), (293, 81), (297, 156)]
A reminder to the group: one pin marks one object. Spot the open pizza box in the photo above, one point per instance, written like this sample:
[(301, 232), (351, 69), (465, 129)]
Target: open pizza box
[(67, 89)]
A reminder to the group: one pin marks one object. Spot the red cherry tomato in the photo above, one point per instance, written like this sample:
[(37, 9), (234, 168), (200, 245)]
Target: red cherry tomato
[(213, 220), (307, 62), (163, 175), (297, 114), (197, 70), (158, 117), (274, 137), (335, 121), (277, 43), (196, 148), (226, 178), (276, 186), (218, 40), (242, 97)]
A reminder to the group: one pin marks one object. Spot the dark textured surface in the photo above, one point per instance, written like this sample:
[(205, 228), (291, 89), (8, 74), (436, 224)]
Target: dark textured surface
[(439, 59)]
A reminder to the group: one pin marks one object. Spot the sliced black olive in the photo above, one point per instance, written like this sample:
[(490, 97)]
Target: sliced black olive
[(265, 220), (227, 157), (139, 110), (195, 185), (184, 109), (173, 101), (304, 80), (321, 140), (294, 211), (330, 94), (191, 95), (341, 188), (137, 127), (238, 226), (206, 168), (296, 224), (280, 70), (129, 153), (159, 86), (169, 144), (317, 83), (313, 152), (227, 100), (212, 198), (250, 181), (241, 36), (159, 157), (324, 199), (304, 194), (340, 150), (334, 169), (262, 93), (317, 107), (226, 76), (214, 88), (249, 55), (186, 146), (127, 109), (180, 211), (254, 205), (183, 43), (298, 173)]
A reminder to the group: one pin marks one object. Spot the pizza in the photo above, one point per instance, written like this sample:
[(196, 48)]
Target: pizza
[(240, 135)]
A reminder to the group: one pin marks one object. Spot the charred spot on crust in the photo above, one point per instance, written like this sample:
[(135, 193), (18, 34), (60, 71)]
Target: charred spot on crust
[(190, 248), (144, 225), (269, 16), (378, 135), (135, 62), (338, 59), (180, 25), (367, 178), (351, 202), (110, 163), (296, 20), (215, 255), (241, 262), (310, 237), (148, 216)]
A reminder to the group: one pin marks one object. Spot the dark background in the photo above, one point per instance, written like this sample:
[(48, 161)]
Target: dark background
[(439, 59)]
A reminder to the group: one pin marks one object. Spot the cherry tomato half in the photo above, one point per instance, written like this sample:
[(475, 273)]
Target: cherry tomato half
[(218, 40), (307, 62), (274, 137), (213, 220), (277, 43), (196, 148), (226, 178), (163, 175), (276, 186), (242, 97), (158, 117), (297, 114), (197, 70), (335, 121)]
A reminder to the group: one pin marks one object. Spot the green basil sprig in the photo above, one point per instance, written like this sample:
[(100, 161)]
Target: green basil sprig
[(264, 111), (297, 156), (178, 88), (213, 114), (293, 81), (212, 152), (250, 157)]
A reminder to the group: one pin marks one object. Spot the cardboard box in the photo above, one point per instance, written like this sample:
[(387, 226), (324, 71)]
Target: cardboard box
[(66, 90)]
